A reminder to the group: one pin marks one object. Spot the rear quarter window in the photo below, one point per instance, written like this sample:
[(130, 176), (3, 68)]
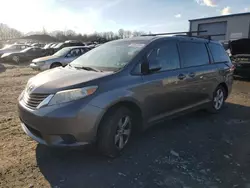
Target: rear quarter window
[(193, 54), (218, 53)]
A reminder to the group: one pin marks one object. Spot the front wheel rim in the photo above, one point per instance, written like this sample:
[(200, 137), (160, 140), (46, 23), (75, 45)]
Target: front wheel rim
[(123, 132), (218, 99), (16, 59)]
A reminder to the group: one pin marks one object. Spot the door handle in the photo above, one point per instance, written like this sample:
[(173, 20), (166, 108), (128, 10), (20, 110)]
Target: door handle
[(191, 74), (181, 76)]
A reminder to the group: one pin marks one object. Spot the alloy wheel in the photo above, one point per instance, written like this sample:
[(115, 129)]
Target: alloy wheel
[(218, 99), (16, 59), (123, 132)]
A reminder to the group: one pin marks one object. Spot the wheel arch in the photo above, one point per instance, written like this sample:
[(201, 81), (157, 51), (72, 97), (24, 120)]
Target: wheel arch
[(54, 63), (132, 105), (224, 85)]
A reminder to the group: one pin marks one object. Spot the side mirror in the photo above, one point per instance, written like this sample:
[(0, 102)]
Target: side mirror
[(154, 66), (147, 67)]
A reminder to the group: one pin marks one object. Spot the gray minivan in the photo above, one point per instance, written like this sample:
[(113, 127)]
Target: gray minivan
[(122, 86)]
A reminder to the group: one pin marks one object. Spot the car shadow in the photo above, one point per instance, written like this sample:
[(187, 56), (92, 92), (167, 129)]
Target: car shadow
[(195, 150), (2, 68)]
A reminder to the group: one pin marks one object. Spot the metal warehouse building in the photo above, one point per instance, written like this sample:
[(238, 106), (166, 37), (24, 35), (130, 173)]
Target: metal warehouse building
[(225, 28)]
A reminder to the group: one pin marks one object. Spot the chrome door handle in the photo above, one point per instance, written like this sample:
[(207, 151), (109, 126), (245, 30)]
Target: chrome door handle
[(181, 76), (191, 74)]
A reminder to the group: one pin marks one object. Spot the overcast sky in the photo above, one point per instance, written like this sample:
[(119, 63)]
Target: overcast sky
[(87, 16)]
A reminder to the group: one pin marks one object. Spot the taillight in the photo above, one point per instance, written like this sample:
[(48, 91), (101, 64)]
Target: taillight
[(232, 68)]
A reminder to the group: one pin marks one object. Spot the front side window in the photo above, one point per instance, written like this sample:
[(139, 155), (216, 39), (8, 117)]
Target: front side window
[(166, 55), (112, 55), (193, 54), (218, 53), (74, 53)]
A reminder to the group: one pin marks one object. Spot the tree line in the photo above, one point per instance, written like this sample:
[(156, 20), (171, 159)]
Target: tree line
[(7, 33)]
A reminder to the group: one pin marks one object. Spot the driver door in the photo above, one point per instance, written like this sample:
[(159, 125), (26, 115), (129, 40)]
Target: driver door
[(163, 89)]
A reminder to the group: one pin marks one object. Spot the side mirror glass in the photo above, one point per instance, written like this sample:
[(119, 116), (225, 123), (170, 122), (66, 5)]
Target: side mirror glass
[(154, 66)]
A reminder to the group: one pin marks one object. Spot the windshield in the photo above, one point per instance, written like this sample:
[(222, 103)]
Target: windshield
[(62, 52), (26, 49), (112, 55), (47, 45), (58, 45)]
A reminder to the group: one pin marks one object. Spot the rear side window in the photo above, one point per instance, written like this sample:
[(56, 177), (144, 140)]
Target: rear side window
[(193, 54), (167, 54), (218, 53)]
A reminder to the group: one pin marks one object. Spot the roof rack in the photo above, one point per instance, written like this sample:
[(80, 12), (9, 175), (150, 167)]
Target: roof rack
[(188, 34)]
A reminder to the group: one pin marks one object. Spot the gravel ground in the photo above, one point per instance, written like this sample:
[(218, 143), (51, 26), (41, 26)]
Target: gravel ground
[(196, 150)]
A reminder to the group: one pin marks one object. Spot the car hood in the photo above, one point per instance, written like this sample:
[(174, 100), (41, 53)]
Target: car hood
[(62, 78), (11, 53), (241, 46), (46, 58)]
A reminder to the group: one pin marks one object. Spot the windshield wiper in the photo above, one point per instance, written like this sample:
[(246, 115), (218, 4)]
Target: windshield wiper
[(88, 68)]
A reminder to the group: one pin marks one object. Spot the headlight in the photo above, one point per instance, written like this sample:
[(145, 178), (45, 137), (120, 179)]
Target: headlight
[(71, 95)]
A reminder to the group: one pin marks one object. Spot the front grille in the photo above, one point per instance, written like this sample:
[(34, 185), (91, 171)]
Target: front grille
[(33, 100)]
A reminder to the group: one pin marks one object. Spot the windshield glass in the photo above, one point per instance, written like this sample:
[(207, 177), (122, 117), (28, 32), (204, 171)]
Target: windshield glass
[(112, 55), (26, 49), (48, 45), (62, 52), (58, 45)]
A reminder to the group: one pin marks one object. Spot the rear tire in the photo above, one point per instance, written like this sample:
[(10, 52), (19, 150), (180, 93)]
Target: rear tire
[(218, 101), (115, 132), (54, 65)]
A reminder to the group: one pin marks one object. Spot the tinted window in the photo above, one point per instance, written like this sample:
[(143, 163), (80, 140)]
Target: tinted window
[(218, 52), (167, 55), (193, 54)]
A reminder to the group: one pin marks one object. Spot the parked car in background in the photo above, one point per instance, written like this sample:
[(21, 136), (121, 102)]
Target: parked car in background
[(124, 85), (13, 48), (47, 46), (40, 45), (240, 56), (60, 58), (69, 43), (25, 55)]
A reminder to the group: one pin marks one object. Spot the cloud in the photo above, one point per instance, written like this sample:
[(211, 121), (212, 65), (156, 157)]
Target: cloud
[(55, 15), (226, 11), (178, 16), (209, 3)]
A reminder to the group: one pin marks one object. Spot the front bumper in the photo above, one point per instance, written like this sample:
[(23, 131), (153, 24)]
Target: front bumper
[(40, 67), (69, 124)]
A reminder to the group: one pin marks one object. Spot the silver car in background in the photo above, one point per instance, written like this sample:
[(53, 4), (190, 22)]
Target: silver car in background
[(60, 58)]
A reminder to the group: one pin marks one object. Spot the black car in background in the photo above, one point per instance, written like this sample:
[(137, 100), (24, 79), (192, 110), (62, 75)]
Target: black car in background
[(68, 43), (27, 54), (240, 56)]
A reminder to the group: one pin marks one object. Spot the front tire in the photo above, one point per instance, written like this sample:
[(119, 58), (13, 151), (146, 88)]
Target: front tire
[(115, 131), (54, 65), (219, 97)]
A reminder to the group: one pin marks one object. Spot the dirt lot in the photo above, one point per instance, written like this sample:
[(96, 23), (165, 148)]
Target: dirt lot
[(196, 150)]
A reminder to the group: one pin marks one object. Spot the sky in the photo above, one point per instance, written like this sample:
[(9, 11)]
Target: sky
[(88, 16)]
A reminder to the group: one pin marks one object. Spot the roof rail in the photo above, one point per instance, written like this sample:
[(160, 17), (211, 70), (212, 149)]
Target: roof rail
[(187, 33)]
